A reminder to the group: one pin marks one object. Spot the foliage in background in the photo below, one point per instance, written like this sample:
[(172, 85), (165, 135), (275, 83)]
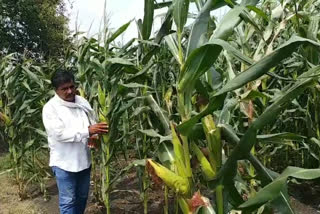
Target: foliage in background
[(37, 29), (224, 107)]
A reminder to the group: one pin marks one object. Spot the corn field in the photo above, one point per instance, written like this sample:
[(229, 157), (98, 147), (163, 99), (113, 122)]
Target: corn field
[(221, 115)]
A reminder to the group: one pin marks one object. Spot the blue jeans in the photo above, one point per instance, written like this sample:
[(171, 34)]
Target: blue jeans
[(73, 190)]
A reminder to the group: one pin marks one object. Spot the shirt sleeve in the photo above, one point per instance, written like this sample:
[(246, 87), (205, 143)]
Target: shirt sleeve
[(57, 130)]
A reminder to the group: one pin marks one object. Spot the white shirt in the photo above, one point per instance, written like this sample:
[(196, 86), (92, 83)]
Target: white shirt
[(66, 125)]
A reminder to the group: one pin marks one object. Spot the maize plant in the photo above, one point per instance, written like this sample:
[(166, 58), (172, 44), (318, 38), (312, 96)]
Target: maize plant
[(209, 106), (21, 112), (196, 70)]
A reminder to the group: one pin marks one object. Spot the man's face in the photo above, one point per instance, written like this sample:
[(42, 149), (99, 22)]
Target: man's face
[(67, 91)]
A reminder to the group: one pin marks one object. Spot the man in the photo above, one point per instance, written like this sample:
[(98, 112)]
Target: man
[(69, 121)]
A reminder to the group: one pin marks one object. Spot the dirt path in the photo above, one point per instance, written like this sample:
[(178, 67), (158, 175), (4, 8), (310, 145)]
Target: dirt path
[(10, 203), (125, 199)]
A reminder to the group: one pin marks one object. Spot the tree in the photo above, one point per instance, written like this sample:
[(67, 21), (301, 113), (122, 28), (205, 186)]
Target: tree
[(33, 27)]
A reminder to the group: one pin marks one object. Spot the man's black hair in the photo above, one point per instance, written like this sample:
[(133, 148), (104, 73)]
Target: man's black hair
[(61, 77)]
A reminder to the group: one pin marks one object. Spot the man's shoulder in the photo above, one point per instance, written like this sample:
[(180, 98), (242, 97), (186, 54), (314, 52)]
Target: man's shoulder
[(50, 104)]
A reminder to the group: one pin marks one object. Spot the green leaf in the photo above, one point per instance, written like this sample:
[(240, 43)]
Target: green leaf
[(262, 66), (31, 75), (178, 150), (153, 133), (180, 13), (159, 112), (147, 18), (249, 139), (258, 12), (228, 23), (187, 126), (280, 136), (118, 32), (139, 110), (144, 70), (166, 154), (133, 85), (252, 73), (28, 144), (272, 190), (201, 59), (121, 61), (173, 46), (206, 168), (199, 27), (165, 27)]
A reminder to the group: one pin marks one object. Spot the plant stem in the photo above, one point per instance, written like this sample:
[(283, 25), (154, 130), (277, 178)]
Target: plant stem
[(219, 195), (107, 176)]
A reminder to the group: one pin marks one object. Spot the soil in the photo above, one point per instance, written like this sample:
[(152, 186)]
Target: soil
[(125, 198)]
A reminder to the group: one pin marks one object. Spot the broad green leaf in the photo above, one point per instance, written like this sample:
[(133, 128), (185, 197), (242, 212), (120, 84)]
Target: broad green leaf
[(249, 139), (83, 51), (166, 155), (173, 46), (215, 103), (177, 146), (316, 141), (133, 85), (159, 112), (258, 12), (121, 61), (206, 168), (142, 72), (272, 190), (29, 144), (228, 23), (226, 112), (101, 96), (199, 26), (180, 13), (139, 110), (274, 109), (253, 94), (147, 18), (252, 73), (31, 75), (121, 174), (153, 133), (313, 27), (184, 206), (201, 59), (165, 27), (262, 66), (280, 136), (118, 32), (265, 175)]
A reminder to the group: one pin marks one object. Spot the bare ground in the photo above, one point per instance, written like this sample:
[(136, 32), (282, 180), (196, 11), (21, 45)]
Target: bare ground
[(125, 199)]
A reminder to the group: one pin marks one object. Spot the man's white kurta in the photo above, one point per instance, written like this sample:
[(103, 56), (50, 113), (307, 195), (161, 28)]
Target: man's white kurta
[(66, 125)]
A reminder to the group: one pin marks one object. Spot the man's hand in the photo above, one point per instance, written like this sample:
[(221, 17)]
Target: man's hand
[(99, 128)]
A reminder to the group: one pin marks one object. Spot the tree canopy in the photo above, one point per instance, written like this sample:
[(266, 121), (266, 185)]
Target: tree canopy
[(33, 27)]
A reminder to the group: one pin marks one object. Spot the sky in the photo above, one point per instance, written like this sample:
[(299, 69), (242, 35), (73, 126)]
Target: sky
[(88, 14)]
